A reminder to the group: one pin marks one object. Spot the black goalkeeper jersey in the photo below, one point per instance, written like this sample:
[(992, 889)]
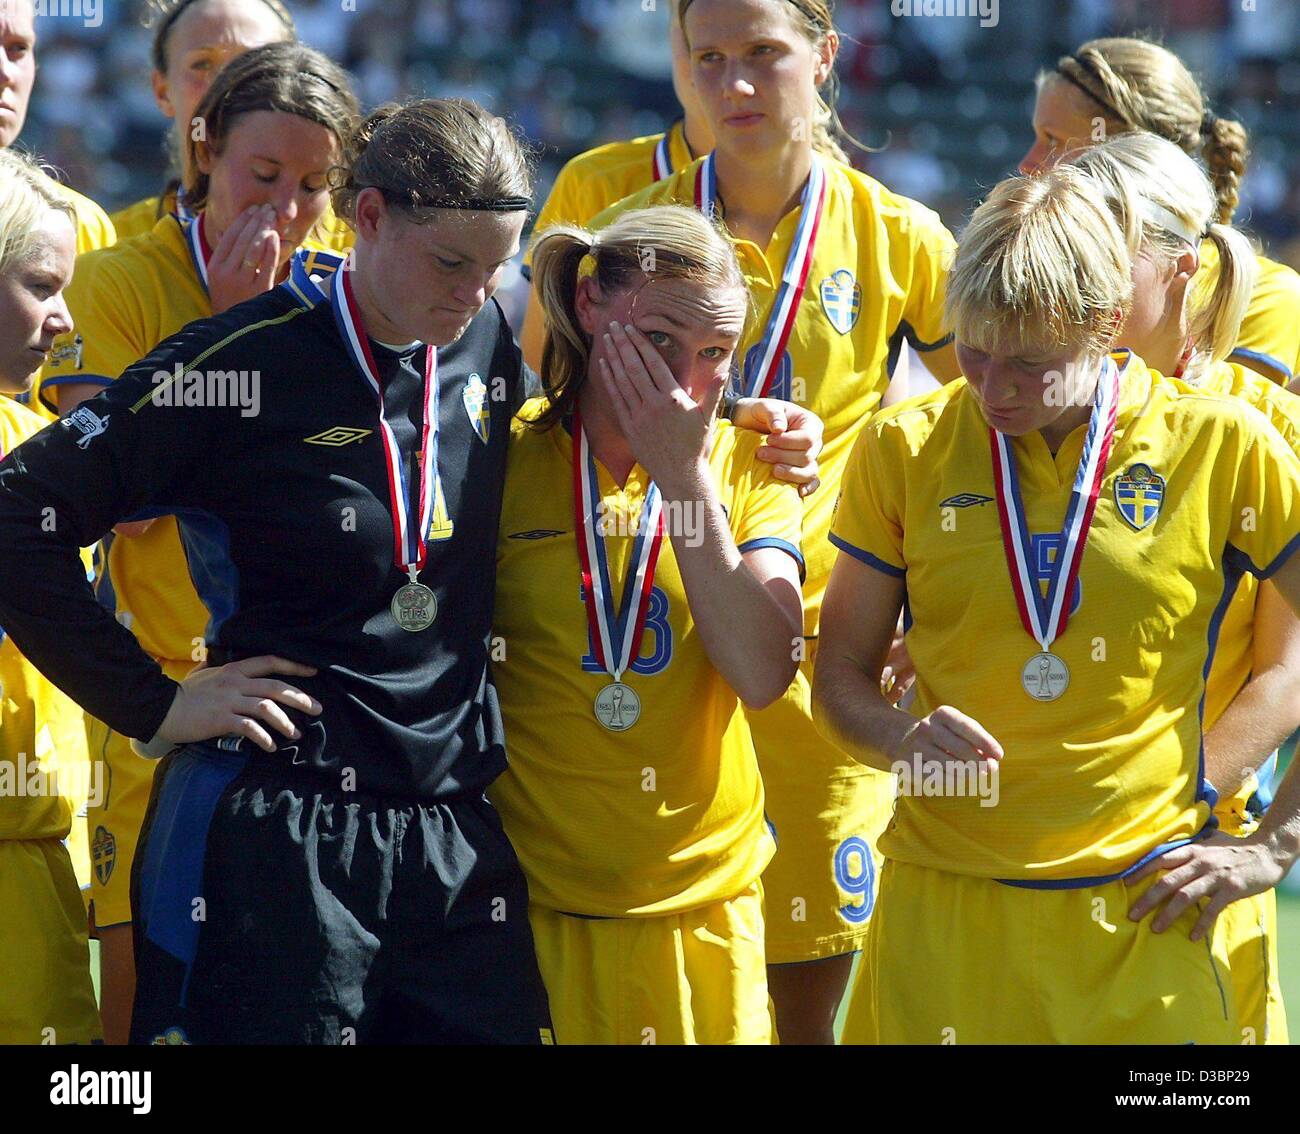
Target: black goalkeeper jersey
[(286, 520)]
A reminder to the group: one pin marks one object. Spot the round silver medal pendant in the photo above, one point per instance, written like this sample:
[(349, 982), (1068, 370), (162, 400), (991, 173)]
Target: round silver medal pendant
[(1045, 677), (618, 707), (414, 607)]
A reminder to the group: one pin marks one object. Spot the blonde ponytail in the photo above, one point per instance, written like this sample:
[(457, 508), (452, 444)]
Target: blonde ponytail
[(1217, 311), (557, 259), (1164, 202)]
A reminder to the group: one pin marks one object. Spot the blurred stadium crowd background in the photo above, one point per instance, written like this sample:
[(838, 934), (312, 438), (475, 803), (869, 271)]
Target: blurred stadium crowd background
[(945, 103)]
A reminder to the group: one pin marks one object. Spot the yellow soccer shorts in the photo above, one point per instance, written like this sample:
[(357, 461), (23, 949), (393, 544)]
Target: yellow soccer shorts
[(46, 995), (114, 825), (1251, 929), (826, 813), (697, 977), (952, 959)]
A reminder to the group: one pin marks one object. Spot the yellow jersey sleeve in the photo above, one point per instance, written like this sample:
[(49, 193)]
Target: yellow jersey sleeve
[(868, 519), (1269, 339), (1266, 501), (1234, 648), (931, 250), (137, 219), (769, 512), (43, 754)]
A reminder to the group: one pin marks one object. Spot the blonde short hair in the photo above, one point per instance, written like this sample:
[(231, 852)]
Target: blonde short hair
[(1041, 269), (27, 193)]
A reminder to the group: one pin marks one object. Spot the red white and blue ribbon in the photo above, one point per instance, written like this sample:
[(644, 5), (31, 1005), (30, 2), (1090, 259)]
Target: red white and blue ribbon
[(184, 213), (794, 280), (662, 162), (196, 239), (616, 638), (1045, 616), (408, 538)]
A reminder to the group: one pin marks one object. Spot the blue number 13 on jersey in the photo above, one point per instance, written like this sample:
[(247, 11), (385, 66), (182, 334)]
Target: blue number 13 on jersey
[(656, 643)]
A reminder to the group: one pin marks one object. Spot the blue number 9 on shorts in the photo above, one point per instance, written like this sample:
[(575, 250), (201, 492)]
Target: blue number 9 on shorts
[(860, 882)]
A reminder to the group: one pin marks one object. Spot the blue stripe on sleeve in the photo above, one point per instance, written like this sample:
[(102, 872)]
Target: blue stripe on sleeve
[(1267, 359), (867, 558), (71, 380), (780, 545)]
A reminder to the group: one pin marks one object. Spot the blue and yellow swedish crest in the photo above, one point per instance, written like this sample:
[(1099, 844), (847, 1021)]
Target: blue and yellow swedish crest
[(103, 853), (1139, 492), (842, 300), (475, 398)]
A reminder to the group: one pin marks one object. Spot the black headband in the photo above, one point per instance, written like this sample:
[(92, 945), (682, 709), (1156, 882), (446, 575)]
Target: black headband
[(1106, 106), (411, 199)]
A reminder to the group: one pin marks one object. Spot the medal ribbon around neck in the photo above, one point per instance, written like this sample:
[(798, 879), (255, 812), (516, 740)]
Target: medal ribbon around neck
[(196, 240), (798, 266), (1045, 618), (408, 539), (662, 163), (616, 639)]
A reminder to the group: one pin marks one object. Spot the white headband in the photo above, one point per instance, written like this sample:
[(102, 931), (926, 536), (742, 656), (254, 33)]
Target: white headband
[(1161, 217)]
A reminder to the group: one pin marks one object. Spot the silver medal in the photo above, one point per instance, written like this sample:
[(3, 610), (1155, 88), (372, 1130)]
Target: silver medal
[(414, 607), (1045, 676), (618, 707)]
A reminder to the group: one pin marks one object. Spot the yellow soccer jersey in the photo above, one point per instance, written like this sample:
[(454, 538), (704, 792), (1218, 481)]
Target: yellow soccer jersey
[(667, 815), (879, 273), (1269, 339), (1198, 488), (593, 181), (140, 218), (124, 301), (42, 730)]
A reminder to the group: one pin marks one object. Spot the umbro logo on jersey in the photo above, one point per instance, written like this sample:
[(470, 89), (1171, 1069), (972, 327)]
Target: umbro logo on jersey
[(338, 435), (536, 533), (965, 500)]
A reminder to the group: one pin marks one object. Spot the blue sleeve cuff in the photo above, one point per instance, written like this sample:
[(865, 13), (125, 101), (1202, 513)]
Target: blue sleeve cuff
[(867, 558), (780, 545), (1245, 562), (70, 380), (1252, 356)]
